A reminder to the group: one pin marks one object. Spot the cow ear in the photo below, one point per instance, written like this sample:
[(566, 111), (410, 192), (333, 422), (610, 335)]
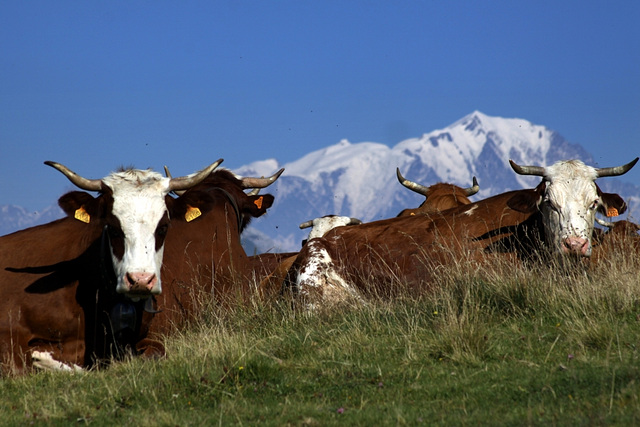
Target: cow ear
[(611, 204), (186, 208), (258, 205), (525, 201), (80, 205)]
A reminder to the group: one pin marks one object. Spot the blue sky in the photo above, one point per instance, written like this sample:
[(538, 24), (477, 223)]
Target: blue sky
[(96, 85)]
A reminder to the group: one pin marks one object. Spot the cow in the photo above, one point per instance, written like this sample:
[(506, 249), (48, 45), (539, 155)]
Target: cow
[(271, 268), (619, 242), (381, 257), (438, 197), (203, 255), (61, 282)]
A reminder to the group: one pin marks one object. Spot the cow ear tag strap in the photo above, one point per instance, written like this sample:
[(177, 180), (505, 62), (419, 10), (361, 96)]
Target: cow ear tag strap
[(192, 213), (82, 215)]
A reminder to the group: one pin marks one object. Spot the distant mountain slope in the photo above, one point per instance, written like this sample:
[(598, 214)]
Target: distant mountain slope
[(359, 179), (13, 218)]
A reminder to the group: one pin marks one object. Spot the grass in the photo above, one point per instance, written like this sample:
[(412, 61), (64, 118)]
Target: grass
[(496, 345)]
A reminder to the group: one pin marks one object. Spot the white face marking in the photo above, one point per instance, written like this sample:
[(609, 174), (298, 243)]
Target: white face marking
[(138, 203), (322, 226), (569, 206)]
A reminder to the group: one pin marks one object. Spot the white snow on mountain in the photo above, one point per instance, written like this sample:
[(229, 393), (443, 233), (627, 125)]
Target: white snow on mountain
[(359, 179)]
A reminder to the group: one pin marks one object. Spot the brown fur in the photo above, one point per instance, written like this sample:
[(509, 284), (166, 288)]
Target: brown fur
[(440, 197), (54, 296)]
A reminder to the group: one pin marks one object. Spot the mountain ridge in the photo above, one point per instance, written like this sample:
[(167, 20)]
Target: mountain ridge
[(359, 179)]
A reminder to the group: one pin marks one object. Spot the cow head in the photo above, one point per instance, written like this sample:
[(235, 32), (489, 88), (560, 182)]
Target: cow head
[(438, 197), (133, 211), (321, 226), (568, 199), (246, 205)]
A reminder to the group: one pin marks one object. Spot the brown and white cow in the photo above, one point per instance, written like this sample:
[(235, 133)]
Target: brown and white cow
[(619, 242), (61, 282), (270, 269), (204, 255), (381, 256), (438, 197)]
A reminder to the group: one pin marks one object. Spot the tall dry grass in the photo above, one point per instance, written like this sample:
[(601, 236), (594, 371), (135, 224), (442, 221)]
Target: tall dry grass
[(493, 342)]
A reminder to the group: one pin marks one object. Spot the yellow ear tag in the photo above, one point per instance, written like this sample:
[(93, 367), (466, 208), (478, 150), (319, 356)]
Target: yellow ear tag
[(258, 202), (612, 212), (82, 215), (192, 213)]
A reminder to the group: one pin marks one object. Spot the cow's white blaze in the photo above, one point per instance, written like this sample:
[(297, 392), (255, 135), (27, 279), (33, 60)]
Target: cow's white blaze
[(569, 206), (325, 224), (139, 205)]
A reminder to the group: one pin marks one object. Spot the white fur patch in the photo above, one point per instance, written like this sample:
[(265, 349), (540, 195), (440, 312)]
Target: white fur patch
[(322, 226), (318, 282), (45, 361), (568, 205), (138, 203)]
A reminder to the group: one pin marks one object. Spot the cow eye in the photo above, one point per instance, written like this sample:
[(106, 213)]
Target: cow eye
[(594, 205), (161, 231)]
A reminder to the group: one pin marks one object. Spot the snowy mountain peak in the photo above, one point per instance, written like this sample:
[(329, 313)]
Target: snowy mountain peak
[(359, 179)]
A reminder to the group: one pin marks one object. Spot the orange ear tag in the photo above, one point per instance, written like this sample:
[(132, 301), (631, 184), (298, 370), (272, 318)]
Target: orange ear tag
[(82, 215), (192, 213), (612, 212), (258, 202)]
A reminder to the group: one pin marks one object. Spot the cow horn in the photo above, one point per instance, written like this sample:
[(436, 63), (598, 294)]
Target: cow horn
[(254, 192), (186, 182), (616, 170), (354, 221), (168, 175), (306, 224), (261, 182), (527, 170), (473, 189), (604, 223), (414, 186), (80, 182)]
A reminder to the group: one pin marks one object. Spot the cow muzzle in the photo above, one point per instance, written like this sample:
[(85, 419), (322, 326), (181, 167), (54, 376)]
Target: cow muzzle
[(141, 284), (576, 246)]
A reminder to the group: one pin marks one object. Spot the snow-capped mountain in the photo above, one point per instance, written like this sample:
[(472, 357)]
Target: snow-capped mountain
[(359, 179), (13, 218)]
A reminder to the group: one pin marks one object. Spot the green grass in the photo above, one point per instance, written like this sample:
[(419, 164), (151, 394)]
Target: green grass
[(493, 346)]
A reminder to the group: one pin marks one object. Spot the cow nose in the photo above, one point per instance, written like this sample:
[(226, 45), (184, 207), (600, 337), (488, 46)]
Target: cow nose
[(141, 282), (576, 245)]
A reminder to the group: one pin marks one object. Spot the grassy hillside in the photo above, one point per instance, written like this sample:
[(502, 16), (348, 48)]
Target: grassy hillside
[(493, 345)]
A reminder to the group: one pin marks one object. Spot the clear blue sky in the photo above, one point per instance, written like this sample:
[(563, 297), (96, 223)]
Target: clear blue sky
[(96, 85)]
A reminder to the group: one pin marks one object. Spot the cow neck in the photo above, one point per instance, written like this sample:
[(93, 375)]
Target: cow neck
[(124, 313)]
